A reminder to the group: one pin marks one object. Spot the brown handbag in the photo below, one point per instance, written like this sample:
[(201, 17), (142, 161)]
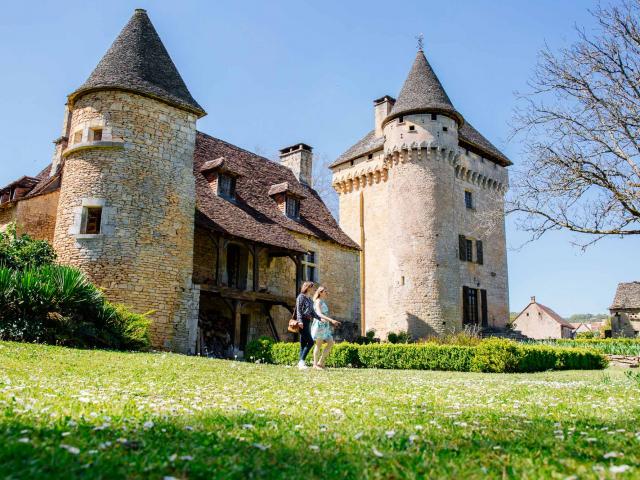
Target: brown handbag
[(294, 326)]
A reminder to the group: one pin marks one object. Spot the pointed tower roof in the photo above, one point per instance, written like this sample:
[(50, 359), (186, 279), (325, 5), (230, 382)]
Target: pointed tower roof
[(423, 92), (137, 61)]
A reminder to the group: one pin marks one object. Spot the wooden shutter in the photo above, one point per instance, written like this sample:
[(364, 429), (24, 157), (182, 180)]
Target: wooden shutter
[(462, 247), (485, 310), (465, 305), (479, 252)]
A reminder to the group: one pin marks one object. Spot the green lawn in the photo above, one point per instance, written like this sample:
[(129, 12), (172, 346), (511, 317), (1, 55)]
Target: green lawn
[(93, 414)]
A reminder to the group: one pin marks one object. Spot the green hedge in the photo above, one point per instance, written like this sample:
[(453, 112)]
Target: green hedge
[(609, 346), (492, 355)]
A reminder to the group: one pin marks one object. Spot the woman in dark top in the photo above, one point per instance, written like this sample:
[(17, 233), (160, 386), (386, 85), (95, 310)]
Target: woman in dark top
[(305, 313)]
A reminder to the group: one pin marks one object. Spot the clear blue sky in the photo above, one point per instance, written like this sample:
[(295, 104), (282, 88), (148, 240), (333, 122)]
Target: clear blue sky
[(274, 73)]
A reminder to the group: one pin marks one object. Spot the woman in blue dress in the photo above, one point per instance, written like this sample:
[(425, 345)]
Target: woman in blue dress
[(322, 329)]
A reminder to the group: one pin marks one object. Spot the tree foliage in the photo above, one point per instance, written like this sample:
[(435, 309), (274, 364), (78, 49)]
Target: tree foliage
[(22, 252)]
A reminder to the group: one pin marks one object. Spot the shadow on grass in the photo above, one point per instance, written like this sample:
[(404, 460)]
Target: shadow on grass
[(263, 446)]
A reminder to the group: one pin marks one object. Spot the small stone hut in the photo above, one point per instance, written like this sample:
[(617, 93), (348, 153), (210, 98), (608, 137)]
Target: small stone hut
[(625, 310)]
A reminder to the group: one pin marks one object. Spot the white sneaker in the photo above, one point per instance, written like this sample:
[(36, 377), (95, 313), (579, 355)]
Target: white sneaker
[(302, 365)]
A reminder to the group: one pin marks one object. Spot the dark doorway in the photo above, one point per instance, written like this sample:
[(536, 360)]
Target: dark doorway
[(236, 267)]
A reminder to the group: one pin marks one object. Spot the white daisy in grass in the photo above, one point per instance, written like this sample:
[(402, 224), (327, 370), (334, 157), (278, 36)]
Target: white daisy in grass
[(390, 433), (71, 449), (619, 468), (612, 455), (261, 446), (358, 436), (24, 440), (147, 425), (377, 452), (314, 448)]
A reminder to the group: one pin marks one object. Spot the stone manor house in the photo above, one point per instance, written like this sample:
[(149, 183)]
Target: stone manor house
[(216, 240)]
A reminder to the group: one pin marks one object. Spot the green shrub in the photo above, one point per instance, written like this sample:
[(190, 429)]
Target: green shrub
[(400, 337), (496, 355), (609, 346), (22, 252), (285, 353), (416, 356), (492, 355), (587, 334), (58, 305), (259, 350)]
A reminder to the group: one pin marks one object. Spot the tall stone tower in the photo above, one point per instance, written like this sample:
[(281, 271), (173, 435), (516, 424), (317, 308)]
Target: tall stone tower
[(416, 193), (127, 199)]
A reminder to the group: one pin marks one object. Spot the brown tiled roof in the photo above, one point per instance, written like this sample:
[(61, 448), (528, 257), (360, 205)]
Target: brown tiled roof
[(255, 215), (627, 296), (469, 136), (366, 144), (286, 187), (554, 315)]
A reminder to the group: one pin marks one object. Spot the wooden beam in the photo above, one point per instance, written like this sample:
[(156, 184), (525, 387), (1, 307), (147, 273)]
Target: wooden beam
[(256, 267), (219, 265), (237, 306), (248, 296)]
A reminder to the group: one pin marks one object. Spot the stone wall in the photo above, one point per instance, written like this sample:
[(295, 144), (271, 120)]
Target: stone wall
[(414, 209), (625, 323), (7, 215), (36, 216), (484, 222), (141, 173)]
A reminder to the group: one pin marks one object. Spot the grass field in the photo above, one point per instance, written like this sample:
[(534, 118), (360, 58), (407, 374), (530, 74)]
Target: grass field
[(93, 414)]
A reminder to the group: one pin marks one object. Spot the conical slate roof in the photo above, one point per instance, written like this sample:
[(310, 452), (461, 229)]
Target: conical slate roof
[(423, 92), (137, 61)]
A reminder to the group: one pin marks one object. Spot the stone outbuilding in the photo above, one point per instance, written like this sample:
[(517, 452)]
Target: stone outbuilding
[(625, 310), (537, 321), (214, 239)]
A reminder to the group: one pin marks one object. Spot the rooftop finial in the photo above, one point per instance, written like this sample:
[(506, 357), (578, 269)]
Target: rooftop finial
[(420, 39)]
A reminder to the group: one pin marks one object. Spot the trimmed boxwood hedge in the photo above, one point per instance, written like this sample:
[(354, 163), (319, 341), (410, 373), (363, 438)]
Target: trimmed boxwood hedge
[(492, 355)]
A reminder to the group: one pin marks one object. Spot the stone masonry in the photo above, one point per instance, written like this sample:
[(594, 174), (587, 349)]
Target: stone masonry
[(141, 174)]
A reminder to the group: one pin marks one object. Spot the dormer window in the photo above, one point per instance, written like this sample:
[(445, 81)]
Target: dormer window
[(226, 186), (293, 207)]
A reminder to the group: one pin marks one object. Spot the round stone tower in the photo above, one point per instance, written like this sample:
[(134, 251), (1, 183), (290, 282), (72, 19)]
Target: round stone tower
[(127, 199), (420, 149)]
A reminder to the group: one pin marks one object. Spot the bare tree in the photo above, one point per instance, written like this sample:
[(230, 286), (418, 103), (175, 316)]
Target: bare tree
[(322, 182), (581, 129)]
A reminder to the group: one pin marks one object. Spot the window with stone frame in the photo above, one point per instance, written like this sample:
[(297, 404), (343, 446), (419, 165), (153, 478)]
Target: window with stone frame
[(77, 137), (226, 186), (96, 134), (292, 207), (479, 253), (469, 306), (309, 267), (91, 220), (468, 199)]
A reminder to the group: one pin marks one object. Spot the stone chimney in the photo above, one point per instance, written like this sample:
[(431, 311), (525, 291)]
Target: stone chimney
[(299, 159), (382, 107), (533, 299)]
